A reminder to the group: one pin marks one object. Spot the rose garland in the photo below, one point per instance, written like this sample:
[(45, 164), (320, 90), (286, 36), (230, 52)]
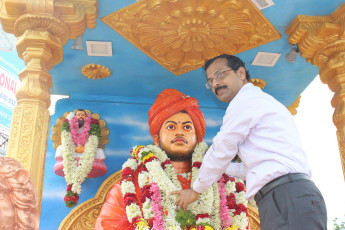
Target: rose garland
[(157, 179), (76, 172), (80, 138), (252, 202)]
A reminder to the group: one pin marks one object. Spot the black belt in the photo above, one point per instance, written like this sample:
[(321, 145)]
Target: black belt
[(288, 178)]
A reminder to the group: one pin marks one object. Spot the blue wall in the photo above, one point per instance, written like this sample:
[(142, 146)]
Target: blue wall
[(126, 119)]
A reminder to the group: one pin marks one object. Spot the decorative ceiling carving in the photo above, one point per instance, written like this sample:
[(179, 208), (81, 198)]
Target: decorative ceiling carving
[(181, 34), (65, 19), (95, 71), (321, 40)]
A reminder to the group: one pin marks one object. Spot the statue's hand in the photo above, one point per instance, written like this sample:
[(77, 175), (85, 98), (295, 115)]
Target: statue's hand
[(79, 149)]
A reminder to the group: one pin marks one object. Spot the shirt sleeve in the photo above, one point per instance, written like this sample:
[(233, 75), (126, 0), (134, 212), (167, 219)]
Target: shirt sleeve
[(236, 170), (237, 123)]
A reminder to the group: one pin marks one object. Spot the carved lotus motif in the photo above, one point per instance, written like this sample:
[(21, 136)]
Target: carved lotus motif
[(95, 71), (182, 34)]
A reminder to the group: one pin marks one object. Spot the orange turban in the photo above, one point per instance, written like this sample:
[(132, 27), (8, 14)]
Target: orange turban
[(168, 103)]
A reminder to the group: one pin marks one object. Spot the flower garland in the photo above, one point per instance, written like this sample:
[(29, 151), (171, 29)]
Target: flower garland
[(224, 211), (76, 172), (80, 138), (157, 179), (158, 222), (236, 202)]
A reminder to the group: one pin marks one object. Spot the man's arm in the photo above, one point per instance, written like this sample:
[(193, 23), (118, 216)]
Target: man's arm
[(237, 123), (217, 159), (236, 170)]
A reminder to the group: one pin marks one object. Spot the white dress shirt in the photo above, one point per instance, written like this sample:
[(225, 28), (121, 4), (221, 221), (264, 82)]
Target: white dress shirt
[(262, 132)]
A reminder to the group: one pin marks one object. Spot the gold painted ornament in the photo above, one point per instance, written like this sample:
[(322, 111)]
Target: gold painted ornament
[(258, 82), (181, 34), (95, 71)]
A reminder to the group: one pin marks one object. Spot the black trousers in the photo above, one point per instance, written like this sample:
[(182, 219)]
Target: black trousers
[(297, 205)]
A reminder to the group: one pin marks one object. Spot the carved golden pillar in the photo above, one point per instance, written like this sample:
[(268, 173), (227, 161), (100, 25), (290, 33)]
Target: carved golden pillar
[(321, 41), (42, 27)]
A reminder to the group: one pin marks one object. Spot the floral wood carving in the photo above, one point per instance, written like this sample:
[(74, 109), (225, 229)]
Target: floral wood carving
[(56, 130), (181, 34), (95, 71), (84, 216)]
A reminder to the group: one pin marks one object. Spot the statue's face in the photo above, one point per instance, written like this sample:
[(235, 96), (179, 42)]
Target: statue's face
[(177, 137), (80, 115), (7, 212)]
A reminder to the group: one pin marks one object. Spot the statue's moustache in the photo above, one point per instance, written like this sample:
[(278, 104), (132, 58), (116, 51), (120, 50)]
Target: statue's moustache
[(175, 139)]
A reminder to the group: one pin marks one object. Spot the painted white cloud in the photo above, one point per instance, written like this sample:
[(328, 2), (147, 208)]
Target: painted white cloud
[(208, 140), (119, 152), (54, 194), (213, 123), (131, 121), (49, 154), (142, 138)]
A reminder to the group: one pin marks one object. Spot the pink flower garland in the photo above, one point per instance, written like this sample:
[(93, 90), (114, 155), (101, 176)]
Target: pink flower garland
[(223, 210), (158, 223), (80, 138)]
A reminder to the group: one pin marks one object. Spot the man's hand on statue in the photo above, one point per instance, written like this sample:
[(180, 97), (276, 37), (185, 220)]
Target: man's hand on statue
[(185, 197), (79, 149)]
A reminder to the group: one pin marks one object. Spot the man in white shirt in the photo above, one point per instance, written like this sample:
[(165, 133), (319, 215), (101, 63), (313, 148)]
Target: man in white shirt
[(261, 131)]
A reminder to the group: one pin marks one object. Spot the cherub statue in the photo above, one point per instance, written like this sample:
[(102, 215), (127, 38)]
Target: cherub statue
[(143, 200), (18, 204)]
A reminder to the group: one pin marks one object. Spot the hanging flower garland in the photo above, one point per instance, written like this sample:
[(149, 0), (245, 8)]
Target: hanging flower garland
[(157, 179), (76, 172)]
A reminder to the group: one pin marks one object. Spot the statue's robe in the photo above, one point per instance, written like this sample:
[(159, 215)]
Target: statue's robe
[(113, 213)]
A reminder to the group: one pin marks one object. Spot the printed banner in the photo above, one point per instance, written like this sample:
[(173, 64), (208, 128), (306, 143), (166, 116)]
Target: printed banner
[(5, 116), (9, 83)]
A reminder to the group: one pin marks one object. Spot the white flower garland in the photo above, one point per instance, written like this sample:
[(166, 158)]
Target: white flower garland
[(167, 181), (75, 174)]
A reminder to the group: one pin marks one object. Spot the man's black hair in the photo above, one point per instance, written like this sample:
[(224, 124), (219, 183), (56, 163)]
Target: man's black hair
[(233, 62)]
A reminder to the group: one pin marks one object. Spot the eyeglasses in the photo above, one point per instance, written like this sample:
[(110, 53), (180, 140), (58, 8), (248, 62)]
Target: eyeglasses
[(218, 76)]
